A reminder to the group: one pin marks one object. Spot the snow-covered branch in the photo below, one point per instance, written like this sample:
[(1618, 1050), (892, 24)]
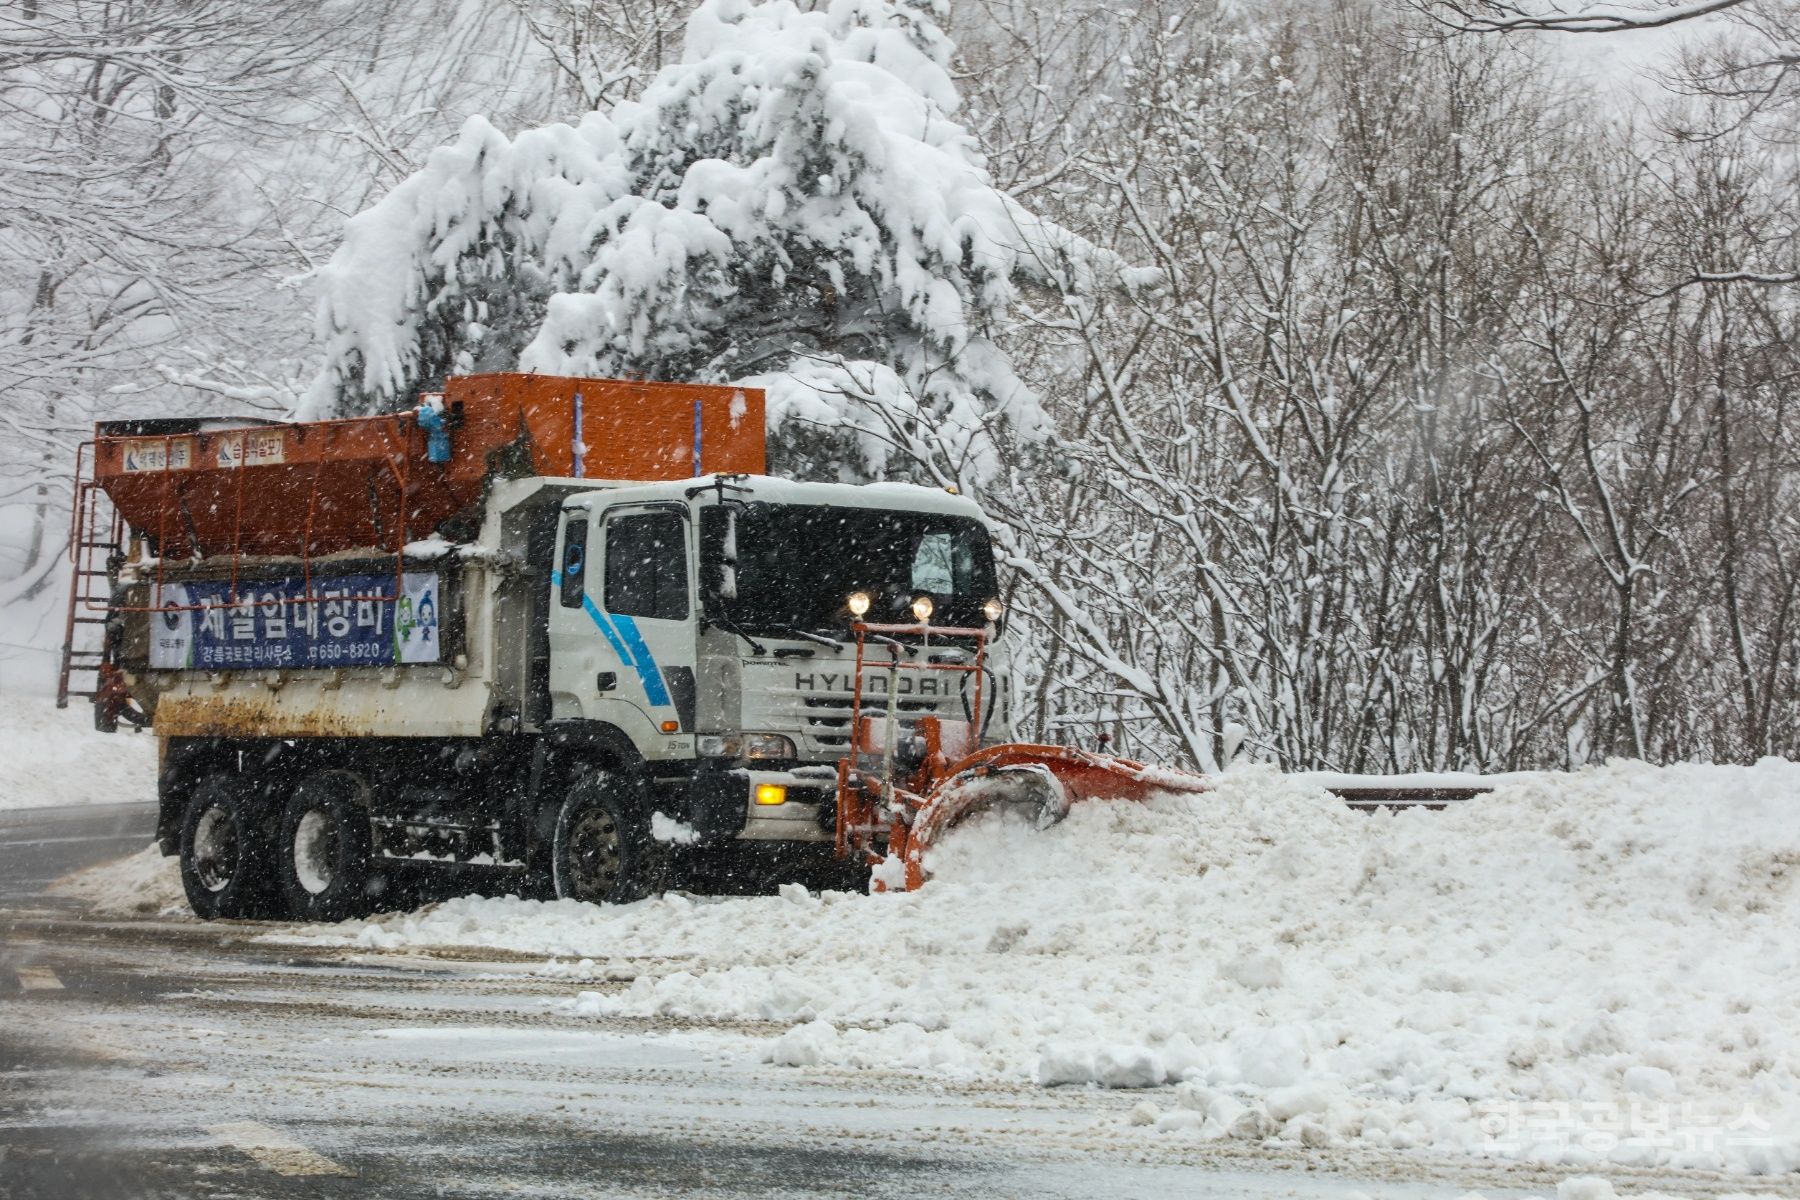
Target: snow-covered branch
[(1502, 16)]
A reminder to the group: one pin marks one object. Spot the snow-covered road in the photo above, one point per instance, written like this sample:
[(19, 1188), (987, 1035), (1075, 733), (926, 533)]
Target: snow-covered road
[(161, 1058), (816, 1041), (1593, 971)]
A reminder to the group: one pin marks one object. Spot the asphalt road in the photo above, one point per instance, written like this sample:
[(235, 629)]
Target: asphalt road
[(175, 1058), (39, 845)]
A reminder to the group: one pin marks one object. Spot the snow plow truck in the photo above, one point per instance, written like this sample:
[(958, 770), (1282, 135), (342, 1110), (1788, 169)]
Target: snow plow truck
[(563, 630)]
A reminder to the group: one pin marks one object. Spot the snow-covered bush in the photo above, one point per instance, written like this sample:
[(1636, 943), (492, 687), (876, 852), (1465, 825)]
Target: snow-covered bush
[(791, 205)]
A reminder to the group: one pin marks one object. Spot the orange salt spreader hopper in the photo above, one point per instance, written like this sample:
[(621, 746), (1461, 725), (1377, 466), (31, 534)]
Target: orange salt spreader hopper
[(201, 487)]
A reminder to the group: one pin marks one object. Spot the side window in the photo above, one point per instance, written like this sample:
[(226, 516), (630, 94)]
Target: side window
[(574, 558), (646, 566)]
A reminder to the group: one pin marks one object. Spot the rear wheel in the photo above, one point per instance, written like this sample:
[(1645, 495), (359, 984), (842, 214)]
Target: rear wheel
[(602, 851), (324, 849), (225, 851)]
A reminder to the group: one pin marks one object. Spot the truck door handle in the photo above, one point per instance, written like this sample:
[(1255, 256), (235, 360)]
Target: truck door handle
[(606, 681)]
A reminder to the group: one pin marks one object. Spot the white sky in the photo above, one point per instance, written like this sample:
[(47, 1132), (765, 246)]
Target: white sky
[(1622, 66)]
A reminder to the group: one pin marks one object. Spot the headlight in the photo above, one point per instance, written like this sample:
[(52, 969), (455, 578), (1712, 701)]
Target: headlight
[(768, 745), (858, 603), (749, 745), (992, 609), (922, 609)]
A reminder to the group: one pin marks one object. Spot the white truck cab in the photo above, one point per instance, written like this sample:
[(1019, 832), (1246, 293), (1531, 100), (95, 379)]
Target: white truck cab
[(708, 622)]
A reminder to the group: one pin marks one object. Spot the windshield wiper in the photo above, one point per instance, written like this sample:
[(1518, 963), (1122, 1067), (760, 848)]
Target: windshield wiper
[(724, 621), (804, 636)]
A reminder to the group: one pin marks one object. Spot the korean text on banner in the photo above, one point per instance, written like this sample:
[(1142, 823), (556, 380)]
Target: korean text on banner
[(273, 625)]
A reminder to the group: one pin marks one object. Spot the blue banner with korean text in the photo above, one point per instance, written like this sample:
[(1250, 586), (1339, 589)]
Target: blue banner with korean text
[(270, 623)]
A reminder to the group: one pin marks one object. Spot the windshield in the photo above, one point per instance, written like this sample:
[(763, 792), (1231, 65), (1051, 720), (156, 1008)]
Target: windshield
[(795, 565)]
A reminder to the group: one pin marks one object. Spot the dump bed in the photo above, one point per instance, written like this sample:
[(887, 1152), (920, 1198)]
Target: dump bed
[(249, 546), (203, 488), (443, 640)]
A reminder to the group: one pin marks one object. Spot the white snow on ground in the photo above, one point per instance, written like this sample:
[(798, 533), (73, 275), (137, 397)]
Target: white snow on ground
[(140, 884), (1580, 969), (51, 756), (1414, 779), (1596, 1187)]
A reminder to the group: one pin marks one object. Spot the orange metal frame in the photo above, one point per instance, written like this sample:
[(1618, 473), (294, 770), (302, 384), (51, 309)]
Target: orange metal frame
[(84, 519), (875, 814)]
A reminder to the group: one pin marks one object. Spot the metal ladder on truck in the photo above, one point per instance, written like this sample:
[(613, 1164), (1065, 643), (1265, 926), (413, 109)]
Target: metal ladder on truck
[(96, 536)]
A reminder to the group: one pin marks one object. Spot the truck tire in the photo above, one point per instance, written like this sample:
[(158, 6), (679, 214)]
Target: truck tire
[(226, 861), (322, 854), (602, 851)]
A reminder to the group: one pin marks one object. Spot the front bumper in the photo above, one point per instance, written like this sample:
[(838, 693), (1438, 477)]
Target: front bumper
[(808, 814), (721, 804)]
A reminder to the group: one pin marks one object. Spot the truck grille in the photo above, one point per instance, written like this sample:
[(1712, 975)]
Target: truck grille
[(828, 717), (811, 703)]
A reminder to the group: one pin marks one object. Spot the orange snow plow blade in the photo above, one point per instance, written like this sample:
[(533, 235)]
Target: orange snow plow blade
[(906, 784), (1054, 777)]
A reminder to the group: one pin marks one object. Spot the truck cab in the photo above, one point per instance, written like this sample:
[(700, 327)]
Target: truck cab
[(709, 623)]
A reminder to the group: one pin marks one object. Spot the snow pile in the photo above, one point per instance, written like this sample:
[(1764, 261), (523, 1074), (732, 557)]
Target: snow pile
[(51, 756), (1579, 969), (141, 884), (665, 828), (792, 206)]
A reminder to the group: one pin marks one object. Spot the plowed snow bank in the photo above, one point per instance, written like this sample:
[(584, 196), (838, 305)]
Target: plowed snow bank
[(51, 756), (1580, 968), (141, 884)]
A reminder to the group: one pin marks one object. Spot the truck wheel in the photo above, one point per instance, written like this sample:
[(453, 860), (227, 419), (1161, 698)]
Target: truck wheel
[(323, 853), (225, 856), (602, 851)]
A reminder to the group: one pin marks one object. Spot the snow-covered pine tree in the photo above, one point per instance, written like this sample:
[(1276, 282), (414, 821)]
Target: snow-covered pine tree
[(792, 206)]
